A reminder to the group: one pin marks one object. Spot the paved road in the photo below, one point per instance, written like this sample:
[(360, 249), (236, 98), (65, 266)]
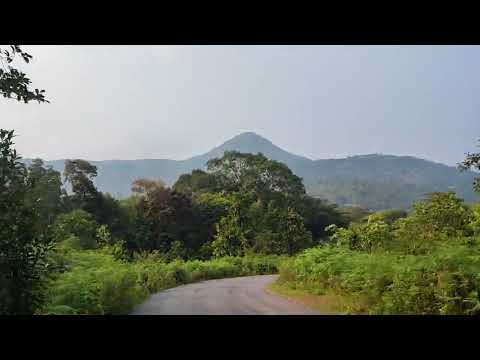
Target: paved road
[(235, 296)]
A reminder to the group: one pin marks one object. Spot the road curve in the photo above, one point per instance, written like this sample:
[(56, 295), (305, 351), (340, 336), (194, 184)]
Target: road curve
[(235, 296)]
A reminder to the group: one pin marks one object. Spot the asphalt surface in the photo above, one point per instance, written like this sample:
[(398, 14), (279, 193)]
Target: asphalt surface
[(235, 296)]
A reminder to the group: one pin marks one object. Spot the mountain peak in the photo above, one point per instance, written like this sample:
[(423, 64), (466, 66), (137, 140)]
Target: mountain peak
[(248, 138), (250, 142)]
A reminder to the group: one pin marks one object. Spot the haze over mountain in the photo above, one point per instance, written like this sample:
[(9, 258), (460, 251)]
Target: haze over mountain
[(373, 181)]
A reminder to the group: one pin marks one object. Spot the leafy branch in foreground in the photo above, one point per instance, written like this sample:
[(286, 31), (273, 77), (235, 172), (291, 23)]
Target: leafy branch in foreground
[(13, 82)]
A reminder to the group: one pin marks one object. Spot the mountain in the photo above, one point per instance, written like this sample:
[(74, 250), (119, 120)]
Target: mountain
[(373, 181)]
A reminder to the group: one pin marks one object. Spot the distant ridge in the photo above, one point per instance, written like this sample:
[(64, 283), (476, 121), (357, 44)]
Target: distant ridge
[(374, 181)]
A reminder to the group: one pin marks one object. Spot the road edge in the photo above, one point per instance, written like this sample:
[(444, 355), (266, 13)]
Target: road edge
[(325, 304)]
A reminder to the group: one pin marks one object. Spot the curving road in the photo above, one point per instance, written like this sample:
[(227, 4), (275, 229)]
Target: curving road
[(235, 296)]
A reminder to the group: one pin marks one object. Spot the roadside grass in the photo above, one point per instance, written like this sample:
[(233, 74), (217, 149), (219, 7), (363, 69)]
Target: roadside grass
[(326, 304), (445, 281), (96, 283)]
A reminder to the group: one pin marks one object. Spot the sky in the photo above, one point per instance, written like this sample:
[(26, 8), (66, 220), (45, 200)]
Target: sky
[(138, 102)]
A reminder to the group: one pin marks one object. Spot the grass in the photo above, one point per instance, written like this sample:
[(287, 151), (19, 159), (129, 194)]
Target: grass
[(325, 304)]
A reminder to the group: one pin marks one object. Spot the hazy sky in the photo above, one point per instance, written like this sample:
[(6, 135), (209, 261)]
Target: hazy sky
[(129, 102)]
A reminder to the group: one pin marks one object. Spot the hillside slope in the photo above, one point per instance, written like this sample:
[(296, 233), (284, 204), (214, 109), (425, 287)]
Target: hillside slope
[(372, 181)]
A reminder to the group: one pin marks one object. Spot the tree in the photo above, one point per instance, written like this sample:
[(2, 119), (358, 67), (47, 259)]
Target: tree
[(267, 179), (147, 186), (209, 208), (80, 174), (368, 236), (197, 182), (439, 217), (472, 160), (230, 239), (249, 226), (296, 236), (23, 246), (46, 193), (165, 219), (13, 82), (318, 214), (108, 211)]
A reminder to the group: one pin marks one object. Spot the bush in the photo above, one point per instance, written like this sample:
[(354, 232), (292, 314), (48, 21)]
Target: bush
[(373, 235), (443, 282), (475, 219), (95, 282), (78, 224)]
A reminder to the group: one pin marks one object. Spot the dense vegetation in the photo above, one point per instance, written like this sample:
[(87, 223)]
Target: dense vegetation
[(86, 252), (98, 282), (375, 182), (424, 263)]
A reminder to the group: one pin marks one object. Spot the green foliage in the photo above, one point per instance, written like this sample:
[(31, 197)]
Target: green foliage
[(373, 235), (248, 173), (79, 227), (388, 216), (212, 206), (441, 216), (45, 192), (197, 182), (317, 214), (262, 206), (444, 282), (475, 219), (103, 236), (230, 239), (425, 263), (472, 160), (165, 220), (251, 225), (80, 174), (23, 246), (14, 83), (94, 282)]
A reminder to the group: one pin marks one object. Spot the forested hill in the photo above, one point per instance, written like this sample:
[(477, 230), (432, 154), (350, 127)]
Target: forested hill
[(372, 181)]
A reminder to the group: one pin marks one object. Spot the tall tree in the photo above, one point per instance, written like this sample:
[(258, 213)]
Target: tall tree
[(23, 247), (80, 174), (46, 193), (165, 219), (267, 179)]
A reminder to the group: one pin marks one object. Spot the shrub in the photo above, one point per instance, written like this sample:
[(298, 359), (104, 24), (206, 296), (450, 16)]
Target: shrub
[(81, 225), (445, 281), (475, 219), (373, 235), (95, 282)]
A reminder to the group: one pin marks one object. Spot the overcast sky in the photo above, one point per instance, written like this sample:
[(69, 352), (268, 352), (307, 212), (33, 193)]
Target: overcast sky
[(130, 102)]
